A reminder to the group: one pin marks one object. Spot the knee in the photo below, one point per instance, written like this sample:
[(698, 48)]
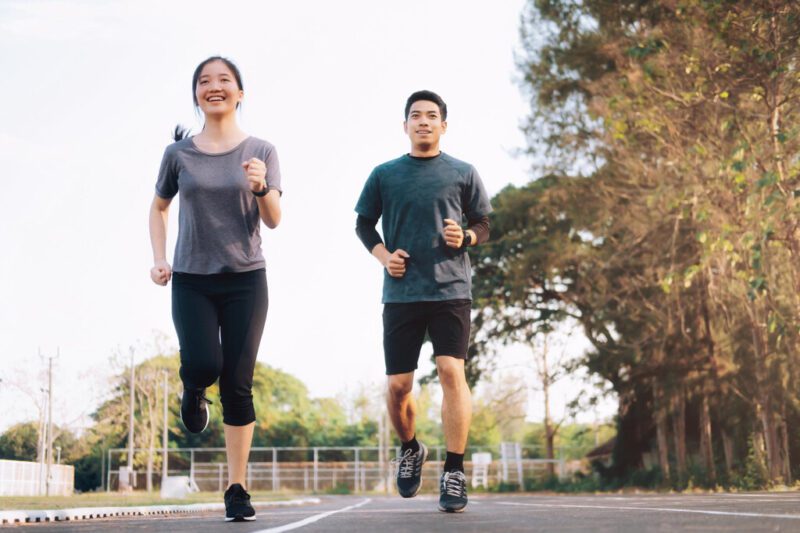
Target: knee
[(399, 388), (451, 372), (200, 372)]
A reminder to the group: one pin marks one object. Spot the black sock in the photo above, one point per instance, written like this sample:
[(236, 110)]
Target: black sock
[(454, 461), (412, 445)]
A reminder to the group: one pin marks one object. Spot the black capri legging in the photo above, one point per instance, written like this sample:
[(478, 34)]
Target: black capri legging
[(219, 319)]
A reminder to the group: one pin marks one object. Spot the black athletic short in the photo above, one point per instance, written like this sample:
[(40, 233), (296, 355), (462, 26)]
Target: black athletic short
[(404, 326)]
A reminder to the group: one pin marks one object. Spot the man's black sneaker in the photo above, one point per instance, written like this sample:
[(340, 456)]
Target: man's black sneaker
[(409, 471), (237, 505), (453, 492), (194, 410)]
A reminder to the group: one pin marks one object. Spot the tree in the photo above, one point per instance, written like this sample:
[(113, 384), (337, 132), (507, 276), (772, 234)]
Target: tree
[(667, 124)]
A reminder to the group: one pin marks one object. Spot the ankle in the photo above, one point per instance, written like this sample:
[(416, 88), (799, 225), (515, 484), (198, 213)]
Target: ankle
[(412, 445), (454, 461)]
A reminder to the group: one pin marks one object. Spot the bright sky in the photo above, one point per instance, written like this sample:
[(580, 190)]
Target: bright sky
[(92, 90)]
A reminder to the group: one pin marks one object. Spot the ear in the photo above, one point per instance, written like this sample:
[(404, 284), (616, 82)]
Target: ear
[(444, 127), (405, 127)]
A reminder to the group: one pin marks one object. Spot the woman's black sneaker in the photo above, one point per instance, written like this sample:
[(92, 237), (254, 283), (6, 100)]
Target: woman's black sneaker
[(453, 492), (409, 471), (194, 410), (237, 505)]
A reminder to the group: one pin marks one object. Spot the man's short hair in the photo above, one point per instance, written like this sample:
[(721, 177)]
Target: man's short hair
[(429, 96)]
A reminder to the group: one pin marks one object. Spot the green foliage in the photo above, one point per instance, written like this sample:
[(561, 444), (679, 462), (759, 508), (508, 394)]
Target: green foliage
[(665, 223), (20, 443)]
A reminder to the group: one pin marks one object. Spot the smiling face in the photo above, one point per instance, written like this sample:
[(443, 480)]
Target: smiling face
[(217, 92), (424, 126)]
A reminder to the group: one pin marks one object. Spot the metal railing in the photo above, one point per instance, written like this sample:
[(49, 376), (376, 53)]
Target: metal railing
[(319, 469)]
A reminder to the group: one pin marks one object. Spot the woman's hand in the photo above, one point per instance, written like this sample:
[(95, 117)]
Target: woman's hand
[(161, 272), (255, 170)]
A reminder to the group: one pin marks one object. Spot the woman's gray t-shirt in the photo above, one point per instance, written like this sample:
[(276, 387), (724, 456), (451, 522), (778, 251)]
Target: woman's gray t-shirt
[(218, 220)]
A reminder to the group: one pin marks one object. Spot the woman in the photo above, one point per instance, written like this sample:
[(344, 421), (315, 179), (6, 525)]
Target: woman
[(229, 182)]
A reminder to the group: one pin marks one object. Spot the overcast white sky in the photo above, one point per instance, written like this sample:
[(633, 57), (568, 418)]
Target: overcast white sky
[(91, 91)]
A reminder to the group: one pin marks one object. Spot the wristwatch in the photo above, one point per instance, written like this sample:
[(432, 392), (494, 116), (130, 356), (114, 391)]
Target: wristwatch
[(263, 192), (467, 239)]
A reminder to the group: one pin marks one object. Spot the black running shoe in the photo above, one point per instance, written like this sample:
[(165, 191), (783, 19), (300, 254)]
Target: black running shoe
[(409, 471), (453, 492), (237, 505), (194, 410)]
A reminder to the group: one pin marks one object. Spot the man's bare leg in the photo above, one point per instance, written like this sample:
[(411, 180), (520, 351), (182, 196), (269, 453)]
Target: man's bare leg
[(401, 406), (457, 402)]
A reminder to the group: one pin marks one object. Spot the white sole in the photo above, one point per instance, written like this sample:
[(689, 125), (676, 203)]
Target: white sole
[(241, 518)]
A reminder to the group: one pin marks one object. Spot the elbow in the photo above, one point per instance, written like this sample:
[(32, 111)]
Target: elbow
[(273, 221)]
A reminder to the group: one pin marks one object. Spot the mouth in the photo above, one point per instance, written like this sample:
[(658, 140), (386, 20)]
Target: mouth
[(215, 99), (424, 132)]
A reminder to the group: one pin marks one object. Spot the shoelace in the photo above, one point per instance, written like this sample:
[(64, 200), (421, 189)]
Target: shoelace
[(200, 398), (240, 497), (454, 484), (407, 463)]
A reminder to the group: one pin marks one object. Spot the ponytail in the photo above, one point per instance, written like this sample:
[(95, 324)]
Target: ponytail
[(180, 133)]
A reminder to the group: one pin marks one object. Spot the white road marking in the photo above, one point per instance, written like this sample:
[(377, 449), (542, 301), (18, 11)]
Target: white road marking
[(312, 519), (658, 509)]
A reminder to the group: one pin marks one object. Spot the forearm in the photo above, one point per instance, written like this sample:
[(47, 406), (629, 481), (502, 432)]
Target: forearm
[(158, 232), (381, 253), (269, 208), (478, 230)]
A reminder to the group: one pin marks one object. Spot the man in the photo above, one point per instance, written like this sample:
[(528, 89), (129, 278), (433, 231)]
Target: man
[(422, 197)]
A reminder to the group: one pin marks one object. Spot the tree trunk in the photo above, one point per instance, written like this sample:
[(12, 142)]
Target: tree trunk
[(766, 414), (785, 457), (727, 450), (679, 434), (549, 432), (661, 430), (758, 450), (706, 445)]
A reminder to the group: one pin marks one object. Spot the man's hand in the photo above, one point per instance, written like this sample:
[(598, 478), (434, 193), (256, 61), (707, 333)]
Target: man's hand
[(396, 263), (255, 170), (161, 272), (453, 234)]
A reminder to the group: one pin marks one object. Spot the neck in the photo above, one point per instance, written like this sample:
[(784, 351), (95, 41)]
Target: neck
[(222, 127), (425, 150)]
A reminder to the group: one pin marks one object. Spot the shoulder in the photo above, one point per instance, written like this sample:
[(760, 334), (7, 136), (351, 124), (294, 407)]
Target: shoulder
[(260, 144), (178, 146), (462, 167), (389, 166)]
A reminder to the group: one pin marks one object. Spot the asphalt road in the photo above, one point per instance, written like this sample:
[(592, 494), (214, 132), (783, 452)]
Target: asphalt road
[(751, 512)]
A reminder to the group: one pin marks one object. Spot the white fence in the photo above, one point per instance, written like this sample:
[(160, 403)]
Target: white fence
[(324, 469), (25, 478)]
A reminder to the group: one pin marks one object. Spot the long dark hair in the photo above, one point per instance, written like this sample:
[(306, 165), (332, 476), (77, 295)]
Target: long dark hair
[(180, 132)]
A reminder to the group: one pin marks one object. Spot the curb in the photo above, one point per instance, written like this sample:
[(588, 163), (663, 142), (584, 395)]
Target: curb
[(88, 513)]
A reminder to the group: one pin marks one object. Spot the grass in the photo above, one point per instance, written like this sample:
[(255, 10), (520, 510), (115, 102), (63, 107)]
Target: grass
[(116, 499)]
